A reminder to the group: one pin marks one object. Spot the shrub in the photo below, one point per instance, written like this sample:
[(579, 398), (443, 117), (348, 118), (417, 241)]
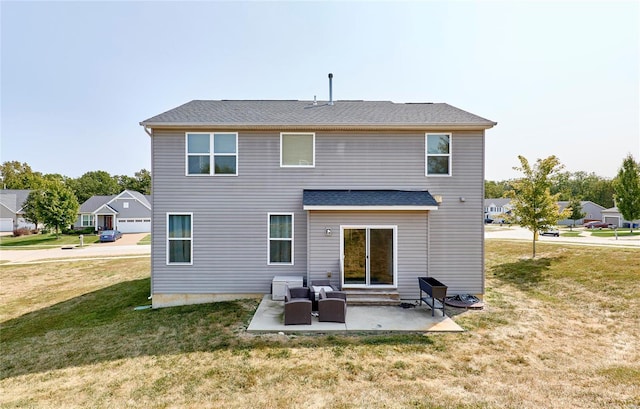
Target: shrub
[(22, 231)]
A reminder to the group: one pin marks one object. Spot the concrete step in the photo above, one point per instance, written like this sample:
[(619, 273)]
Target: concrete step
[(372, 297)]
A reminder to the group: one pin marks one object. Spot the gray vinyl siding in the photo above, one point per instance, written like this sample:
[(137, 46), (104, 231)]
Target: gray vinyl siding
[(230, 212), (324, 253)]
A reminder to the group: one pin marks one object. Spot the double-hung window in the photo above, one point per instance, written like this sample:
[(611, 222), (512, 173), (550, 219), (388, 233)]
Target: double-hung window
[(280, 238), (438, 148), (297, 150), (212, 153), (179, 238), (87, 220)]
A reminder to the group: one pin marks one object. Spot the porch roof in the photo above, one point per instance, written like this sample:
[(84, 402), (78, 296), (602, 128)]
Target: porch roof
[(368, 200)]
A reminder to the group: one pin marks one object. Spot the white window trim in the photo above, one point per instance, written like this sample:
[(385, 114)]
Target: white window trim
[(91, 220), (426, 154), (292, 239), (190, 263), (211, 155), (313, 134)]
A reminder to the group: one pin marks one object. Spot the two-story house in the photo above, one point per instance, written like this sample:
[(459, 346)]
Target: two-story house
[(369, 194)]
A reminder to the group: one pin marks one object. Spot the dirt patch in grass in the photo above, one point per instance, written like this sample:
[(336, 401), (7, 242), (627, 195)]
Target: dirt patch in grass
[(559, 331)]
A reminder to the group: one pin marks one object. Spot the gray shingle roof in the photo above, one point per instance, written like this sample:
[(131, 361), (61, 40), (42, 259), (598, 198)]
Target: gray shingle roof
[(94, 202), (368, 198), (13, 199), (342, 113)]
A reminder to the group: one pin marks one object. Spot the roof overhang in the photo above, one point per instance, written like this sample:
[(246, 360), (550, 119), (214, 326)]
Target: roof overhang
[(368, 200), (317, 127)]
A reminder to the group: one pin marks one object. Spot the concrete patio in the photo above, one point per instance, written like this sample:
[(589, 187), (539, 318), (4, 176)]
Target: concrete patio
[(269, 317)]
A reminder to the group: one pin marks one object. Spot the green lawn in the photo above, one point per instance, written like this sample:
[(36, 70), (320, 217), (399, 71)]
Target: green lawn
[(35, 241), (557, 331), (145, 240), (612, 232)]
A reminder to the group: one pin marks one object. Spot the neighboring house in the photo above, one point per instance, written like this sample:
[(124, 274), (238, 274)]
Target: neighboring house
[(369, 194), (592, 211), (11, 210), (129, 212), (614, 217), (496, 208)]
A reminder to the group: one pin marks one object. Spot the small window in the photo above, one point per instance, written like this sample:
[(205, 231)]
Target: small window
[(212, 153), (125, 205), (179, 238), (438, 160), (280, 238), (297, 150)]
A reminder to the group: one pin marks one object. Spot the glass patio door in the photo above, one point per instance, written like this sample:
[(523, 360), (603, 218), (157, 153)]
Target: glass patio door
[(368, 256)]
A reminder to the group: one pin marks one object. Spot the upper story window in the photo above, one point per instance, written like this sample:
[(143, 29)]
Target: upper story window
[(297, 150), (438, 160), (212, 153)]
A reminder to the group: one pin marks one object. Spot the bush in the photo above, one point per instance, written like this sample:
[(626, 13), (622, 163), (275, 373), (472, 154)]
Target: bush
[(22, 231), (74, 232)]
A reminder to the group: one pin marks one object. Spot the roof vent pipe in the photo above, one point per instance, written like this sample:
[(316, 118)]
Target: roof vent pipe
[(330, 89)]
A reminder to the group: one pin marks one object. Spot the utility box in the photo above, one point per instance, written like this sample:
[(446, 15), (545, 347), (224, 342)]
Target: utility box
[(280, 282)]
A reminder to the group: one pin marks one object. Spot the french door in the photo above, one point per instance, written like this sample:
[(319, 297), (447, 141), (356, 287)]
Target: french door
[(368, 256)]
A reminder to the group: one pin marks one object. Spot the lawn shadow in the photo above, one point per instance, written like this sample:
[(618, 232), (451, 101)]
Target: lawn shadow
[(526, 274), (103, 326)]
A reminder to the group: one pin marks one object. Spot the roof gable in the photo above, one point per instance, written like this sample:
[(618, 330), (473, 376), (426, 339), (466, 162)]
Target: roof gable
[(14, 199), (94, 203)]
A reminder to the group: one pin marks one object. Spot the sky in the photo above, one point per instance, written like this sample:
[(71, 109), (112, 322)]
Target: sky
[(560, 78)]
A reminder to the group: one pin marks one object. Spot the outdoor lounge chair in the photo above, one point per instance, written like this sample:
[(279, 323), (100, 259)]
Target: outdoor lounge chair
[(313, 296), (297, 306), (332, 306)]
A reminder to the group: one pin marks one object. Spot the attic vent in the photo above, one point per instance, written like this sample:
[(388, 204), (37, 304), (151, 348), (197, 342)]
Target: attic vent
[(125, 205)]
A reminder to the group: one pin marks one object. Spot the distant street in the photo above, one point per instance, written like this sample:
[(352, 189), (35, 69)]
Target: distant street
[(585, 238), (126, 246)]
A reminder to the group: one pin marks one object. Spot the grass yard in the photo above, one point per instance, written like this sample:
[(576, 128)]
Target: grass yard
[(145, 240), (559, 331), (44, 241), (612, 233)]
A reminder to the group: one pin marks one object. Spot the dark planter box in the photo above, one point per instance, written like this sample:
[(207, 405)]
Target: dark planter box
[(435, 289), (432, 287)]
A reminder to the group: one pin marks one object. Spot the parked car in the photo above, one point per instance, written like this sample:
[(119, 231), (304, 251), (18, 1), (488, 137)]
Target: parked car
[(488, 221), (550, 232), (110, 235), (598, 225)]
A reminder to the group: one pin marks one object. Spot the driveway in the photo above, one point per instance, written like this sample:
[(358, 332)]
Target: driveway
[(125, 247), (585, 238)]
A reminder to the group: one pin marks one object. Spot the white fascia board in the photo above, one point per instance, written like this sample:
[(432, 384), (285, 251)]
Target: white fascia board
[(369, 208), (105, 207)]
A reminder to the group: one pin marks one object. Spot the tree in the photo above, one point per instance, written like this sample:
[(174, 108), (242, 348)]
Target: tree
[(496, 189), (576, 210), (16, 175), (96, 183), (627, 188), (54, 204), (141, 182), (532, 202)]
